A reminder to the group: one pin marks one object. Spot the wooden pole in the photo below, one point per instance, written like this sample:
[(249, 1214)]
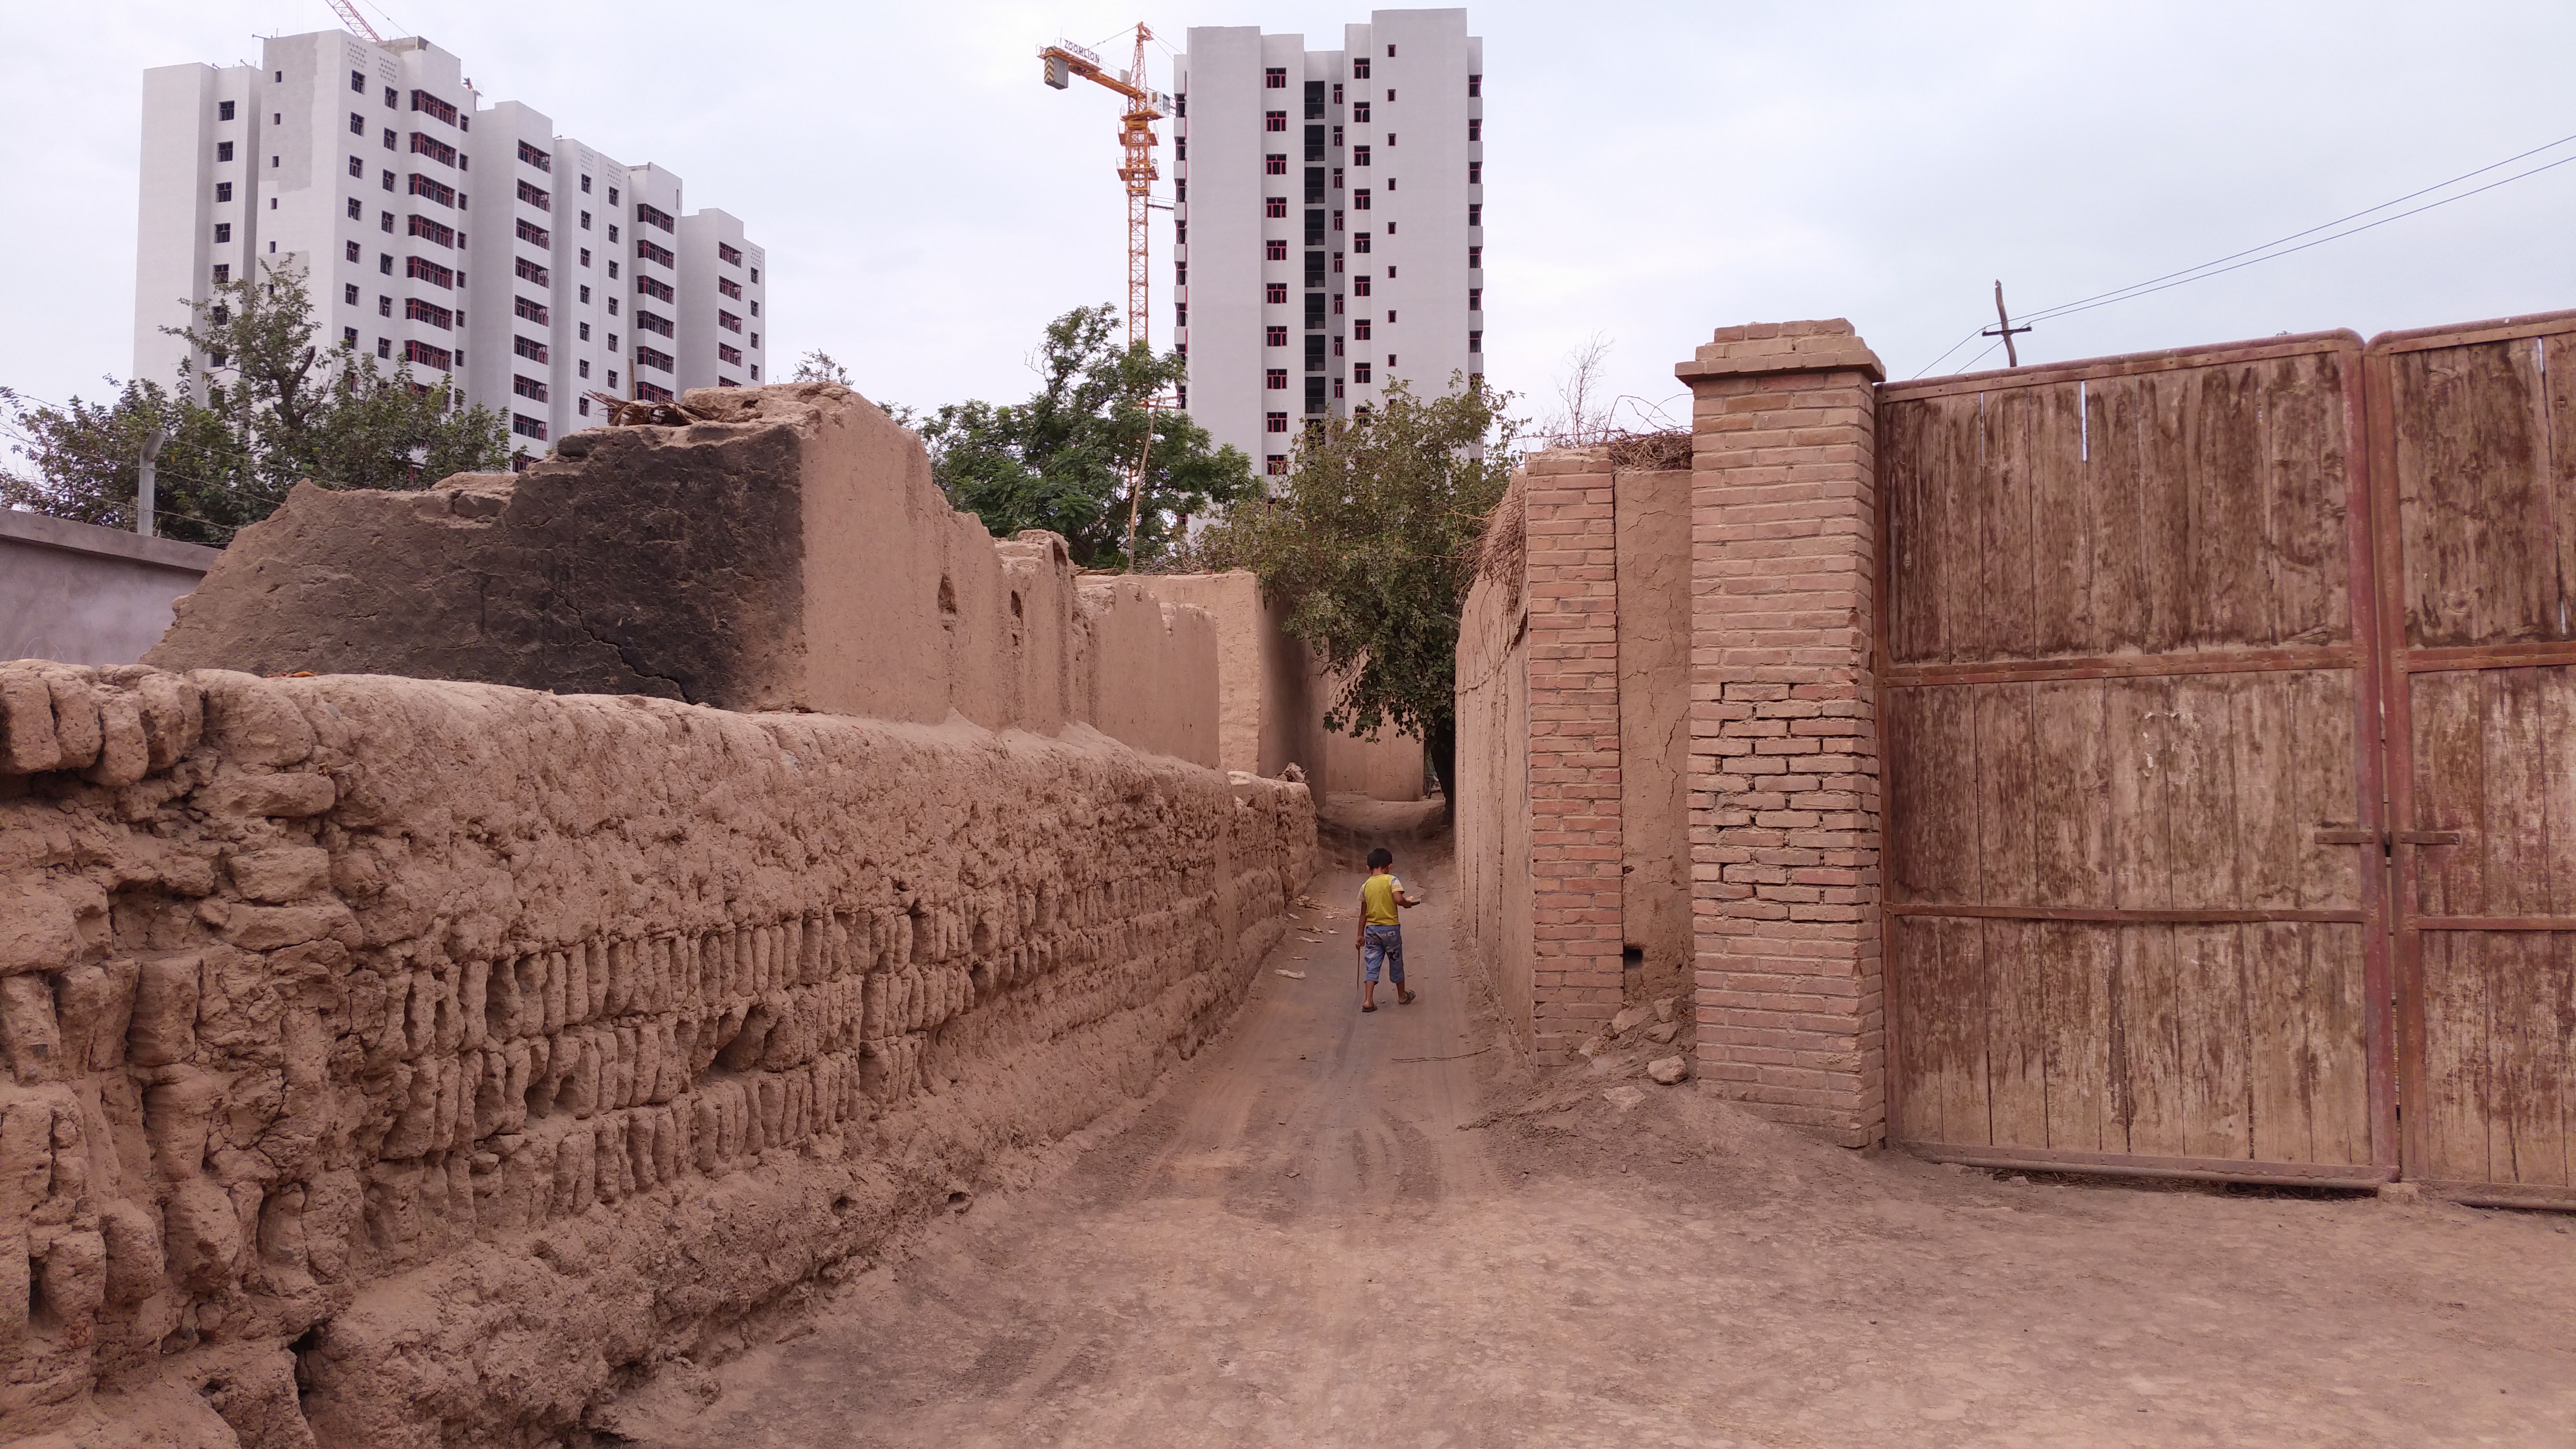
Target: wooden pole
[(2003, 328)]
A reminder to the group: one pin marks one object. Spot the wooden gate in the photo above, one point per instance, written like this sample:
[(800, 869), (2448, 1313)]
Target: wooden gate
[(2133, 880), (2473, 446)]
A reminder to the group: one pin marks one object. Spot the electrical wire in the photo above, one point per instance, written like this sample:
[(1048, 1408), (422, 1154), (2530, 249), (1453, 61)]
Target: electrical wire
[(2276, 248)]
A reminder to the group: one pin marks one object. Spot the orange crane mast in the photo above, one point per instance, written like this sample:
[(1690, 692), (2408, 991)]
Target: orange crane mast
[(1136, 139)]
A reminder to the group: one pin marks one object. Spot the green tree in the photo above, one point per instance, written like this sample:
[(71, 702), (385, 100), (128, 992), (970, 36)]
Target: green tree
[(1369, 548), (1063, 459), (267, 408)]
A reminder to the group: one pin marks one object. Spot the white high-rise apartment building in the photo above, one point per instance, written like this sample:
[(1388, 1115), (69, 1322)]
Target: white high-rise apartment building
[(469, 240), (1329, 219)]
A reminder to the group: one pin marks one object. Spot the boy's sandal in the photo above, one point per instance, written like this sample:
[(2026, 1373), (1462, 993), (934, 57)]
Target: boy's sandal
[(1368, 1008), (1407, 998)]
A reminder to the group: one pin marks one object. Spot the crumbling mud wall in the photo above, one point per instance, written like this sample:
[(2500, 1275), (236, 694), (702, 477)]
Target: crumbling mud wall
[(1654, 540), (397, 1062), (787, 550), (1492, 822)]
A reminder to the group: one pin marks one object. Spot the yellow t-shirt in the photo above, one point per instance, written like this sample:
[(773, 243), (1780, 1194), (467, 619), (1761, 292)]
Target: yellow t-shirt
[(1377, 900)]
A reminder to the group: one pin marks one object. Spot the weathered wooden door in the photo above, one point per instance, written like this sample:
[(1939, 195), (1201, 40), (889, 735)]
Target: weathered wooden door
[(2133, 883), (2474, 453)]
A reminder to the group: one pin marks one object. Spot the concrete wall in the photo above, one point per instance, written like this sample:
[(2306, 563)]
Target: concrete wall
[(788, 551), (82, 594), (1492, 822), (398, 1062), (1654, 534)]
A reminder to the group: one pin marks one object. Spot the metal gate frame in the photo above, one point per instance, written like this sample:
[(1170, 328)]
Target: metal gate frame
[(2397, 663), (2362, 654)]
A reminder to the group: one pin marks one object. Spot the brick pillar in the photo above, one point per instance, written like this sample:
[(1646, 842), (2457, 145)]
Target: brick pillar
[(1573, 672), (1784, 785)]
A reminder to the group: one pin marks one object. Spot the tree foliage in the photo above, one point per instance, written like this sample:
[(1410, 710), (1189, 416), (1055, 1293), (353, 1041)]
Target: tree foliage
[(1063, 459), (1369, 548), (270, 408)]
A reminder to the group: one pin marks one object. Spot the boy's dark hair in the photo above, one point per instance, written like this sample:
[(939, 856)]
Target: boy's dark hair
[(1381, 856)]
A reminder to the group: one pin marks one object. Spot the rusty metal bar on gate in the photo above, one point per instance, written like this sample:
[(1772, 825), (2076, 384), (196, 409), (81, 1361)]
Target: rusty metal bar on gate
[(2449, 657), (2493, 923), (2122, 666), (2122, 1164), (2119, 916)]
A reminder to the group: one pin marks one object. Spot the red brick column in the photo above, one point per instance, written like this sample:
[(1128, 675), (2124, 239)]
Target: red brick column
[(1784, 786), (1573, 664)]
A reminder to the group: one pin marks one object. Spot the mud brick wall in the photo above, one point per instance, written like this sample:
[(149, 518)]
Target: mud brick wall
[(400, 1062), (1784, 785), (1492, 820)]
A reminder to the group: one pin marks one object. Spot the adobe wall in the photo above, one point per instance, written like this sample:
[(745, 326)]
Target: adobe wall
[(787, 549), (83, 594), (1653, 511), (1490, 826), (399, 1062)]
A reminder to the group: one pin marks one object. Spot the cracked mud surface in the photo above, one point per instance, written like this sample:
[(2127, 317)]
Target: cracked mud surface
[(1296, 1243)]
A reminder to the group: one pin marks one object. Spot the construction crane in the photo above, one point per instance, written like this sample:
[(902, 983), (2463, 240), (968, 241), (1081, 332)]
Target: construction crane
[(1136, 140), (357, 22)]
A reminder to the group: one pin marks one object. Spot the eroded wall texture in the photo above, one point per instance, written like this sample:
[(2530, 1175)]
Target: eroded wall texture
[(454, 1050), (1492, 824), (1654, 540)]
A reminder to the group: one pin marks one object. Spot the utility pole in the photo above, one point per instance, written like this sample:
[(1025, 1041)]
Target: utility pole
[(146, 475), (2004, 328)]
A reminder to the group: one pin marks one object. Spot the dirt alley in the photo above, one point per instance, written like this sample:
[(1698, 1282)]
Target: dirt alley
[(1295, 1241)]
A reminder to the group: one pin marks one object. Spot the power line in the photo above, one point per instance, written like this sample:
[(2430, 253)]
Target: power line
[(2278, 247)]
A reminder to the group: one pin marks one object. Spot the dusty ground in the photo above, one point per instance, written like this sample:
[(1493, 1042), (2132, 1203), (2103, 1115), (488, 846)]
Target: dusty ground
[(1307, 1238)]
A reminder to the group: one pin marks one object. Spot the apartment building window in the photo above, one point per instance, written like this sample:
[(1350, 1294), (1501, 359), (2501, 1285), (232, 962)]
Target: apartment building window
[(389, 181), (1475, 85), (1274, 120), (224, 270), (651, 393), (433, 148), (223, 150), (1278, 336), (1359, 201), (428, 230), (357, 124), (654, 216), (1180, 188), (385, 263), (530, 272), (1475, 342), (585, 221), (1275, 164), (223, 191), (1278, 379), (612, 346), (658, 361), (349, 338), (1475, 299), (534, 311), (527, 427), (428, 356), (1360, 328), (1337, 304), (585, 256), (733, 289), (1274, 250), (533, 234), (653, 322), (349, 295), (356, 212), (612, 306), (1181, 316), (1180, 148), (1276, 466), (612, 196), (1276, 422), (539, 159), (727, 352), (1275, 207), (728, 321), (612, 271), (358, 81), (1359, 68), (1475, 173), (585, 296), (584, 364), (1337, 138), (1275, 77), (541, 200), (1275, 293), (422, 269), (1314, 100), (528, 348), (585, 336), (384, 347), (416, 310), (585, 185), (391, 144), (429, 105), (354, 253), (1359, 113), (612, 379), (647, 251), (1475, 259), (1359, 155), (755, 367), (223, 232), (755, 342), (1315, 227), (755, 276), (1475, 213), (528, 387), (357, 169), (654, 288), (1359, 241), (581, 405), (1475, 128), (385, 222), (223, 110), (1360, 373)]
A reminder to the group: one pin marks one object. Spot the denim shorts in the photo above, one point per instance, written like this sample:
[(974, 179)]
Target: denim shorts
[(1384, 943)]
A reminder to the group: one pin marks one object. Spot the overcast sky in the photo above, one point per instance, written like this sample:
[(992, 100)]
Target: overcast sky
[(1652, 171)]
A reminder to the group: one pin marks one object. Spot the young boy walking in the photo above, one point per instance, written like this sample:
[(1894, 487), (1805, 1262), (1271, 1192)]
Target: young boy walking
[(1381, 938)]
